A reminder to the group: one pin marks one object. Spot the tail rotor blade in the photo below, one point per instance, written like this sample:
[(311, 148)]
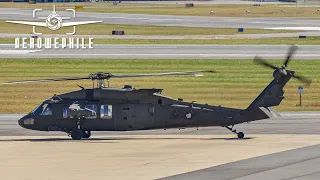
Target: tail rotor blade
[(292, 50), (261, 61), (307, 81)]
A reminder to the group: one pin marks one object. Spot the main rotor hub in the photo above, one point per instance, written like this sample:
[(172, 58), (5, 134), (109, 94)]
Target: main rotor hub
[(100, 76)]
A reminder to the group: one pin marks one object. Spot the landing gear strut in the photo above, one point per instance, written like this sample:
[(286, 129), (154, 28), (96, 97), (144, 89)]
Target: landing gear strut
[(240, 134)]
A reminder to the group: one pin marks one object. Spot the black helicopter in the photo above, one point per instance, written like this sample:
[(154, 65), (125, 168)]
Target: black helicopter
[(112, 109)]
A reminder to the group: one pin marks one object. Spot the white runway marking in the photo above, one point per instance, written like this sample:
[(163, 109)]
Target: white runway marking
[(274, 22), (17, 51), (296, 28), (207, 55), (139, 47), (136, 18), (125, 18)]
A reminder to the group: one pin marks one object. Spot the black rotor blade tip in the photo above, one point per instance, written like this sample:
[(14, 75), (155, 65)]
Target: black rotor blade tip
[(292, 50)]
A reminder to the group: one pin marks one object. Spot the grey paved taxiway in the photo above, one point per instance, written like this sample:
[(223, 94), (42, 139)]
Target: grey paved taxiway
[(168, 20), (231, 36), (209, 2), (297, 164), (288, 123), (165, 52)]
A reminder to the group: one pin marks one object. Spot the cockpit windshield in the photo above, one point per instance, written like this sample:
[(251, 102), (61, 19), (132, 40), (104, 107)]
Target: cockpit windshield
[(43, 109)]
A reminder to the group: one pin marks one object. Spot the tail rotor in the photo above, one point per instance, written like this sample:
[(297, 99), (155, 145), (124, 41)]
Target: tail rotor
[(280, 72)]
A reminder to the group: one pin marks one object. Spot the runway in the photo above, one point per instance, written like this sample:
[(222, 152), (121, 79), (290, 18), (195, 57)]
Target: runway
[(305, 52), (170, 20)]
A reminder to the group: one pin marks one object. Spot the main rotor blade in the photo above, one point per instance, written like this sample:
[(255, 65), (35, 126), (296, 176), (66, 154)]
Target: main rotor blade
[(261, 61), (307, 81), (292, 50), (45, 80), (195, 73)]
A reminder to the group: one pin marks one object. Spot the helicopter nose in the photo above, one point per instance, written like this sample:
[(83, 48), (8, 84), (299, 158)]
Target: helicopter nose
[(20, 122), (26, 121)]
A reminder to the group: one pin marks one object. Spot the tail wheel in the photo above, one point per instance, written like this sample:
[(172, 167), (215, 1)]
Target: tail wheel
[(240, 135), (86, 134)]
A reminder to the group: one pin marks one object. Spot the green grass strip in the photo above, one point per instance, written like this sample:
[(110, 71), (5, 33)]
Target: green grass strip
[(236, 83)]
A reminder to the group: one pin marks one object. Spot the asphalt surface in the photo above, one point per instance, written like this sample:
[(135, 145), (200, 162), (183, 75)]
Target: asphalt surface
[(288, 123), (302, 163), (165, 52), (297, 164), (168, 20), (231, 36)]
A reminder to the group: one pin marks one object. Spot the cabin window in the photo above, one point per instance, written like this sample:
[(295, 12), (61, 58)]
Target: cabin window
[(106, 112), (93, 109), (45, 110), (65, 112)]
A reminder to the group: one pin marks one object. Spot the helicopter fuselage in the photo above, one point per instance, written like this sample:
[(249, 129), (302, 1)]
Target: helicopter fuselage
[(107, 109)]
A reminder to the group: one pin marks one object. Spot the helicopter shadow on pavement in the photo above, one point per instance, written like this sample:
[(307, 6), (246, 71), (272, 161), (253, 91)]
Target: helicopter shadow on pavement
[(112, 140)]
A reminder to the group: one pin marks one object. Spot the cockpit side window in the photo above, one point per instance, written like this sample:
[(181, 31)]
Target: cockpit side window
[(65, 112), (44, 110)]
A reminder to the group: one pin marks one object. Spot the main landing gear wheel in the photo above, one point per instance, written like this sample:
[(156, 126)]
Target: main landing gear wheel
[(76, 134), (240, 134), (86, 134)]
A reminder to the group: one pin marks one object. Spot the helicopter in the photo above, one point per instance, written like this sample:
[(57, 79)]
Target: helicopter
[(102, 108)]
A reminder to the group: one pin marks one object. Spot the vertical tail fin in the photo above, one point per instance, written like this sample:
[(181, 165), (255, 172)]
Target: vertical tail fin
[(272, 95)]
